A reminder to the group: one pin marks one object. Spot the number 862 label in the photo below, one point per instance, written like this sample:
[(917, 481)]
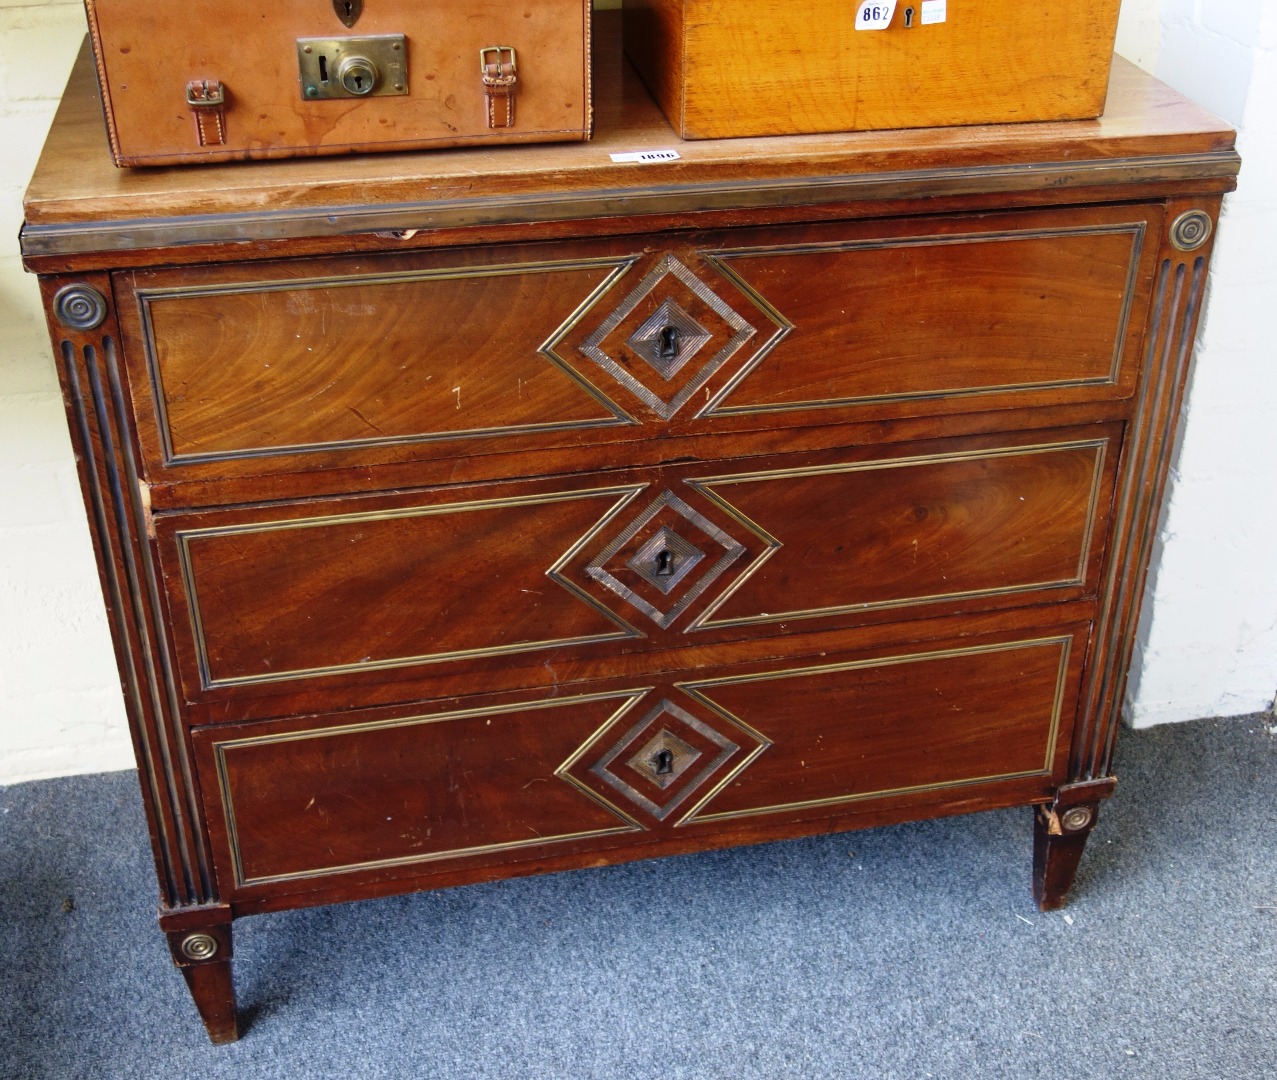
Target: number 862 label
[(875, 14)]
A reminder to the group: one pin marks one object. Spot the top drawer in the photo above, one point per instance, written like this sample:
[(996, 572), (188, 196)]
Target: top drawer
[(278, 367)]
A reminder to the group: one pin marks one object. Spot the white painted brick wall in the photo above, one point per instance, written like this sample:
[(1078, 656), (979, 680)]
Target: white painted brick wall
[(60, 708), (1208, 641), (1212, 647)]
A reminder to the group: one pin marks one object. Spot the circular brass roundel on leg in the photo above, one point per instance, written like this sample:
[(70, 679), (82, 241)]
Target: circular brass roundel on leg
[(1191, 230), (1079, 817), (199, 946), (80, 307)]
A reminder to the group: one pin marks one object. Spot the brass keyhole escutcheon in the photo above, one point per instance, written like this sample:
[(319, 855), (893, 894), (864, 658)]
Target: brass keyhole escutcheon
[(663, 762), (348, 11), (331, 69)]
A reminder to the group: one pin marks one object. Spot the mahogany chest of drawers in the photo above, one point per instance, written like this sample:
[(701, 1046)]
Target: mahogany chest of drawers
[(483, 513)]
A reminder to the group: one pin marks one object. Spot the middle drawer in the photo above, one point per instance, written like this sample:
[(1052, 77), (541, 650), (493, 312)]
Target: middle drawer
[(359, 598)]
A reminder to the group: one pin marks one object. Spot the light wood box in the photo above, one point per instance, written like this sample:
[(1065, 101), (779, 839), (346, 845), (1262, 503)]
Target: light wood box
[(727, 68)]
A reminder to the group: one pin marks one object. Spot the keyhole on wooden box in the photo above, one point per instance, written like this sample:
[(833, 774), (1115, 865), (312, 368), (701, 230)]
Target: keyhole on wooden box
[(663, 762), (665, 563), (667, 349)]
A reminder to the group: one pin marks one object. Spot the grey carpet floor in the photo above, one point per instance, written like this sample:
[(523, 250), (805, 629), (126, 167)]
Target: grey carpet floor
[(912, 951)]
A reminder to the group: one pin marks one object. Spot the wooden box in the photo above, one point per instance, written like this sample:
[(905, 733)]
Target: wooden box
[(209, 80), (725, 68)]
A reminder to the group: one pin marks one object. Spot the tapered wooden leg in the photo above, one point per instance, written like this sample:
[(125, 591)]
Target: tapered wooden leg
[(204, 956), (211, 987), (1060, 832)]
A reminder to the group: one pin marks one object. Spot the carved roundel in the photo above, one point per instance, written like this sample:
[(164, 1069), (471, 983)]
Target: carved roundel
[(1078, 817), (1191, 230), (80, 307), (199, 946)]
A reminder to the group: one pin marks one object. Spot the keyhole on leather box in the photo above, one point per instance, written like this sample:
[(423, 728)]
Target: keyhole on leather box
[(665, 563), (668, 347), (663, 762)]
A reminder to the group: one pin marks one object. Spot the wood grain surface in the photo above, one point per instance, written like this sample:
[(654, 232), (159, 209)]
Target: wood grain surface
[(729, 68), (254, 368), (78, 201), (420, 792)]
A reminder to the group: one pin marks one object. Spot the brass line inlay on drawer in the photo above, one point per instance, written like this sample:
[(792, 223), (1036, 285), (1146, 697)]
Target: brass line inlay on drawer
[(221, 750), (720, 260), (706, 486), (184, 540), (617, 416), (694, 690)]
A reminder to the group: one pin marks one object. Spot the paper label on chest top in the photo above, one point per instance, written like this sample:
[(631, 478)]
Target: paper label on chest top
[(934, 11), (875, 14)]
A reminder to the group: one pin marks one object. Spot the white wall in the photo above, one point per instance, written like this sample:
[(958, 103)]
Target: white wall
[(60, 707), (1212, 647), (1208, 641)]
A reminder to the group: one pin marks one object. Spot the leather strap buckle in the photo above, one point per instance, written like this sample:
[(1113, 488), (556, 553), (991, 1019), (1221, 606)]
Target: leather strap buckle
[(498, 67), (207, 99)]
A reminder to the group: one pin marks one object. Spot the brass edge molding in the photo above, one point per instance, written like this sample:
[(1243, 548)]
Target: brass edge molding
[(182, 543), (695, 690), (220, 750), (555, 571), (1057, 708), (550, 347), (146, 297), (720, 259), (1092, 509), (152, 293), (783, 328), (133, 234), (706, 484)]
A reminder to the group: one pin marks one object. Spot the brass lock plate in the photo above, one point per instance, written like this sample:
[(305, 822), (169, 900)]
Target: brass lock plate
[(352, 67)]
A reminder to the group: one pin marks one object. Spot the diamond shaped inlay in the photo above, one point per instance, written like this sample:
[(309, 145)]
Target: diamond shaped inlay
[(645, 562), (668, 353), (666, 726), (699, 317)]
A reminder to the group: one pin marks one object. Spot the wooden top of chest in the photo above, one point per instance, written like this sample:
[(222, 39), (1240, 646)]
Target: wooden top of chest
[(78, 203)]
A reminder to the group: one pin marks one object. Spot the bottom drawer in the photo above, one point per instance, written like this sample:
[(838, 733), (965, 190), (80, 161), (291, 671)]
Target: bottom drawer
[(603, 772)]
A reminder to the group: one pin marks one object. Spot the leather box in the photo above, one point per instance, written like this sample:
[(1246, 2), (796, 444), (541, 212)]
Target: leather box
[(725, 68), (220, 80)]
